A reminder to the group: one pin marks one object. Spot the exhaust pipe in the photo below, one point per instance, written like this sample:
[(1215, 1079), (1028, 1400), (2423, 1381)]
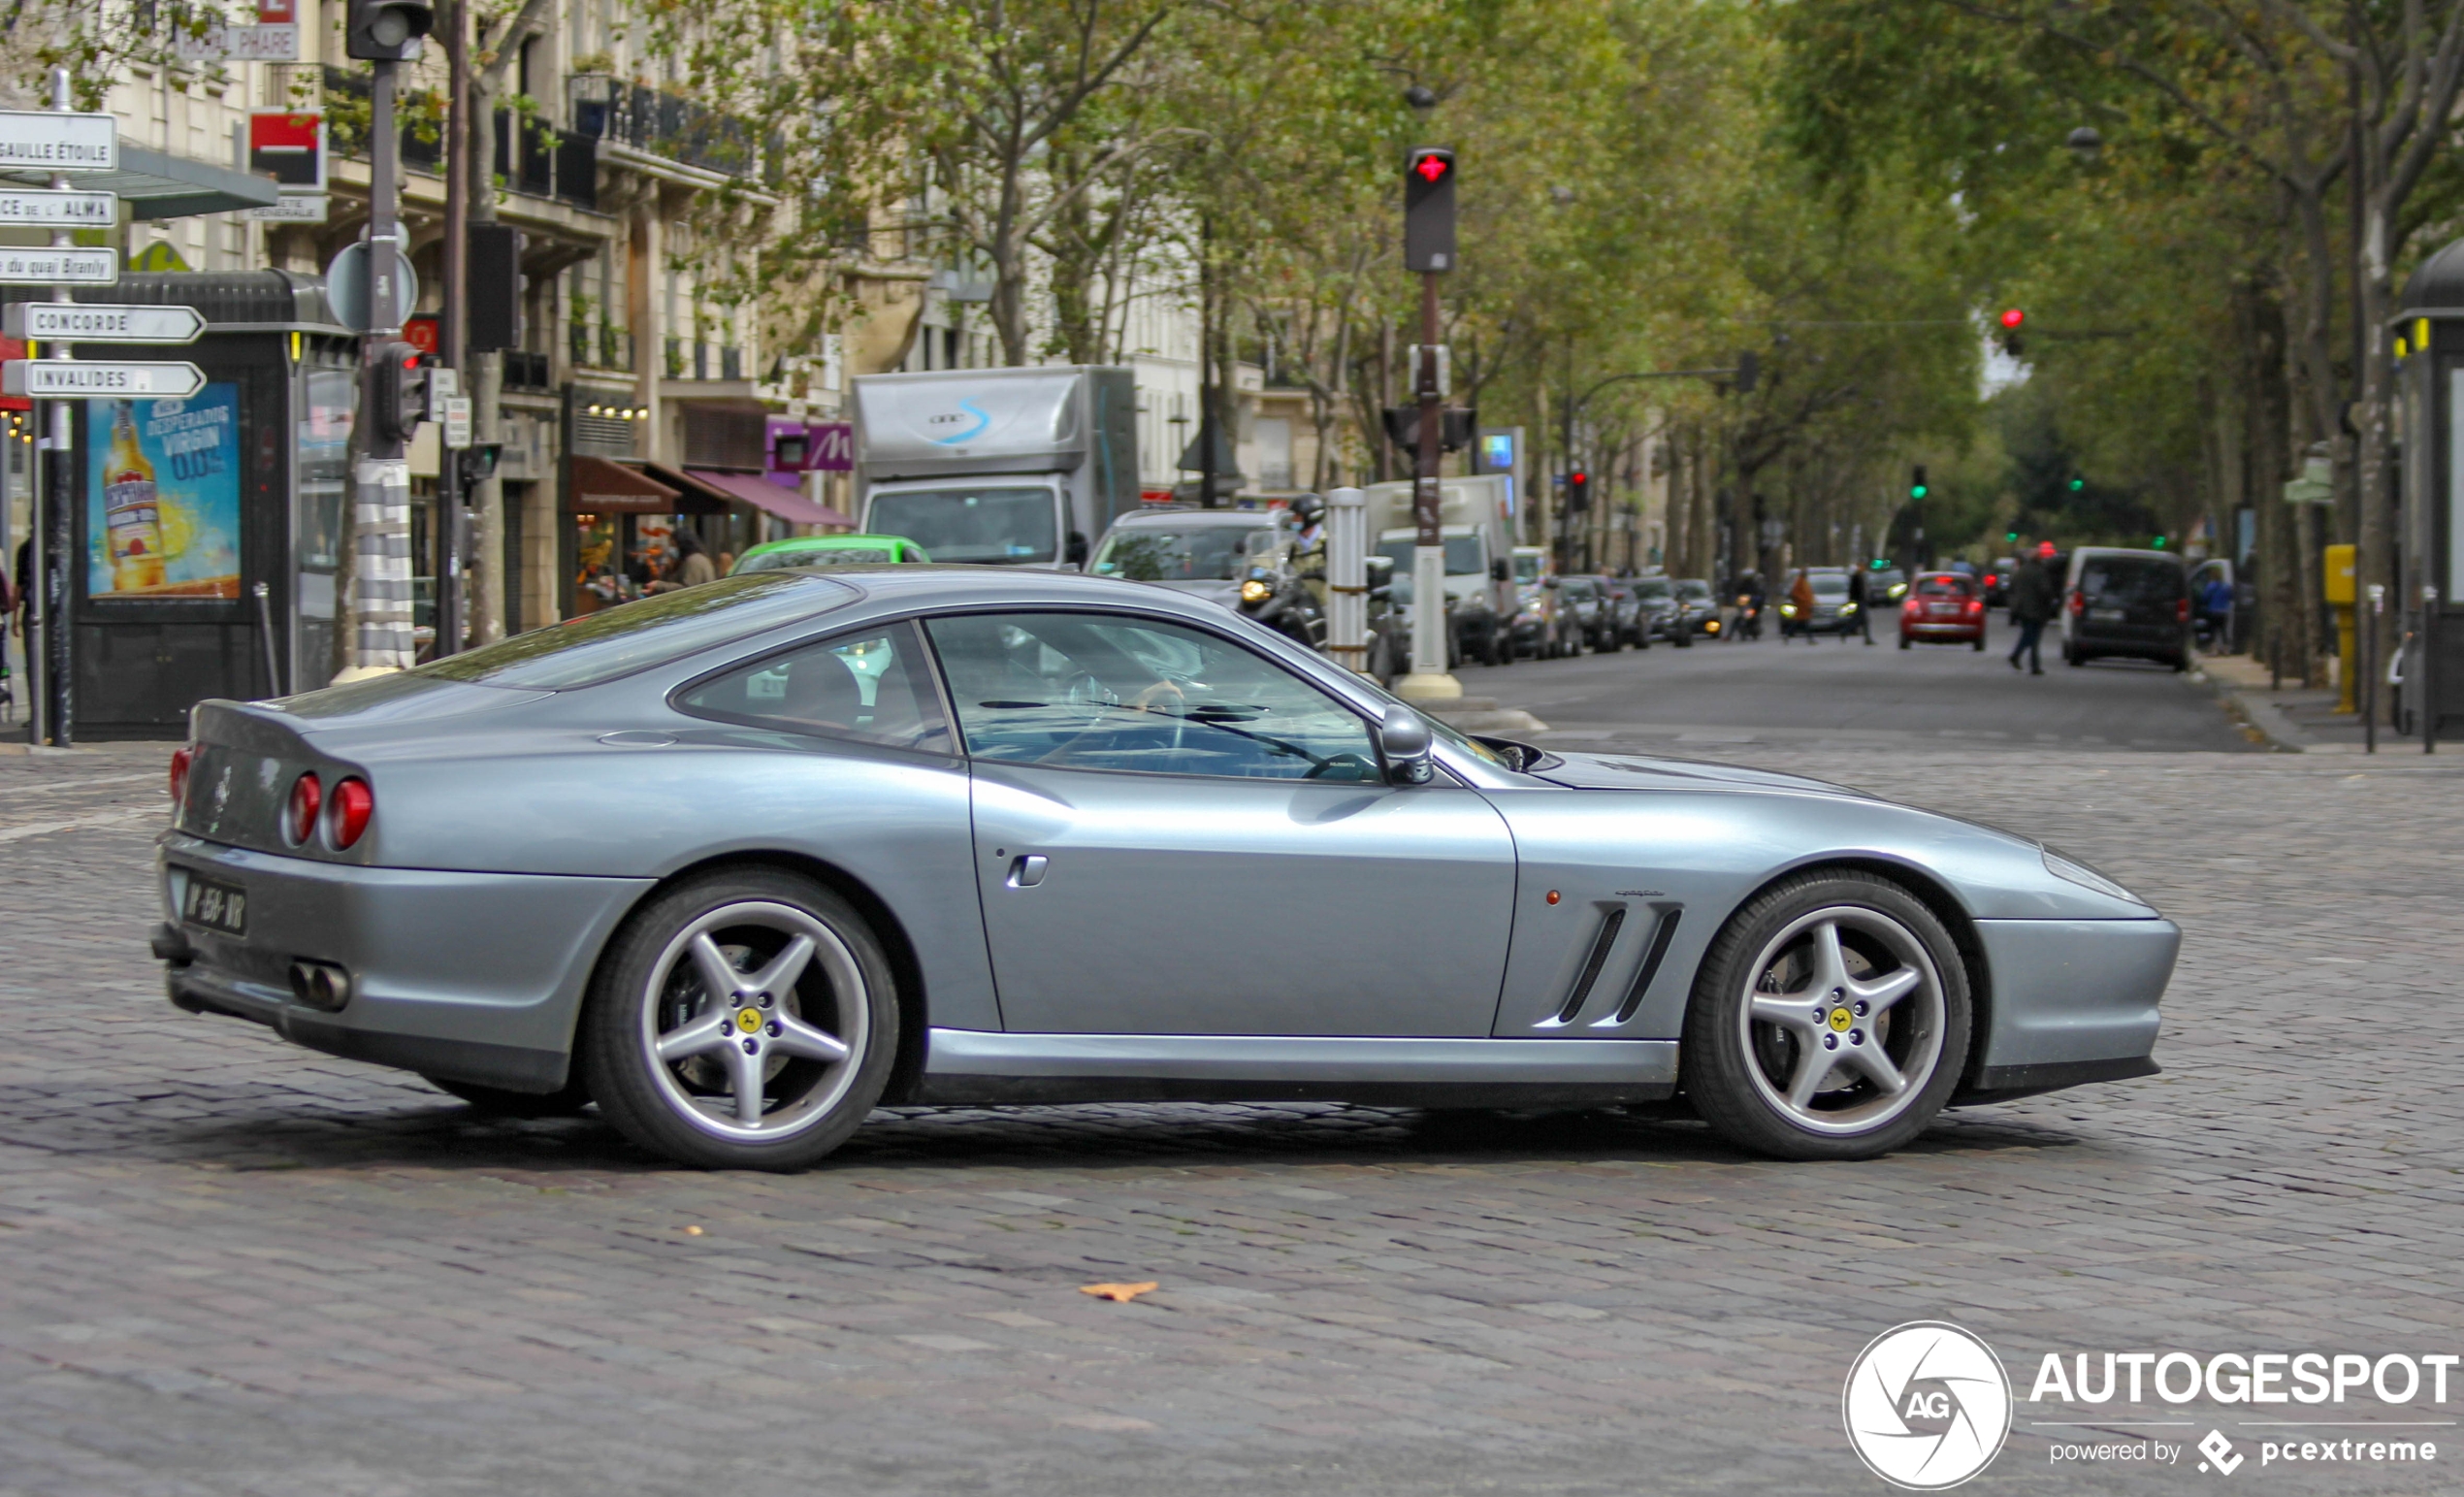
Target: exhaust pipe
[(321, 985)]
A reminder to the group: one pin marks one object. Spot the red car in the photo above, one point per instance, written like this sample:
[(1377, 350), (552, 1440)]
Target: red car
[(1943, 608)]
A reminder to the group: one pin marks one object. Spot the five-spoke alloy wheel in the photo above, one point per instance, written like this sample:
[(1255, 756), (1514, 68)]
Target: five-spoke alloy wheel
[(1830, 1021), (747, 1019)]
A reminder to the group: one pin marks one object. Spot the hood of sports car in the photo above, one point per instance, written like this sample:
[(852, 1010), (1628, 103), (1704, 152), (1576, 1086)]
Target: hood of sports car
[(1636, 771)]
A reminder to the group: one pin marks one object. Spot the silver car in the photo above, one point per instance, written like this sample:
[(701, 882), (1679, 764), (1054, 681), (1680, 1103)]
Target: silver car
[(739, 864)]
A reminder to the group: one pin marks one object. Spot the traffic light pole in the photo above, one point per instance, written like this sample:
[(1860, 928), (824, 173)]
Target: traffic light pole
[(381, 503), (450, 609), (1430, 677)]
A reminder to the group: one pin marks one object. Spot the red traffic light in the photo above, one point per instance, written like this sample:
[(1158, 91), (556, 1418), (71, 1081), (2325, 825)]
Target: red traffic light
[(2014, 317), (1431, 166)]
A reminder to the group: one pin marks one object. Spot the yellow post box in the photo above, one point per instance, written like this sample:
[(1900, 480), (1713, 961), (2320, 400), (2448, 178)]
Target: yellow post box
[(2340, 596)]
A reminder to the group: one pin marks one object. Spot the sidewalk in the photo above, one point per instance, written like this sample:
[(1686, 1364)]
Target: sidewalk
[(2295, 719)]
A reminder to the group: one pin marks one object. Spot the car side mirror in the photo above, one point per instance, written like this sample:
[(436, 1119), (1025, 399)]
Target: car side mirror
[(1403, 741), (1497, 570)]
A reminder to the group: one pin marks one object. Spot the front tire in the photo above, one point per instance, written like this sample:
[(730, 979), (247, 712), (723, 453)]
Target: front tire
[(746, 1019), (1830, 1020)]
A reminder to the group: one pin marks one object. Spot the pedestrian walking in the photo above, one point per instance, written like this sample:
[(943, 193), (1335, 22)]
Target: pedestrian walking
[(1861, 595), (692, 568), (1800, 603), (2033, 607)]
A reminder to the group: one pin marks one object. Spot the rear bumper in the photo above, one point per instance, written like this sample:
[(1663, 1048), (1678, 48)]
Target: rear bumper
[(474, 976), (1942, 629), (2070, 1001)]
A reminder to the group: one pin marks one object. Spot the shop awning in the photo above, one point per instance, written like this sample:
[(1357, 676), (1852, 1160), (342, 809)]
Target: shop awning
[(601, 486), (763, 495)]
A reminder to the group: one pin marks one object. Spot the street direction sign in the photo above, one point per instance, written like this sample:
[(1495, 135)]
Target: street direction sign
[(43, 140), (90, 323), (238, 44), (45, 210), (59, 267), (94, 380)]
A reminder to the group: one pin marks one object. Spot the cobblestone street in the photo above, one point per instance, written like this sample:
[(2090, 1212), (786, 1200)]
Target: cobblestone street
[(233, 1266)]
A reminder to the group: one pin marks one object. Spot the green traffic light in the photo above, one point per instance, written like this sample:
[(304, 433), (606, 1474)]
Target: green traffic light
[(2160, 545), (1916, 491), (2012, 537), (2076, 484)]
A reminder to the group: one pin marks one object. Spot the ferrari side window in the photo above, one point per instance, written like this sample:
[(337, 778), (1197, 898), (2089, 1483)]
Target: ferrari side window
[(871, 686), (1091, 691)]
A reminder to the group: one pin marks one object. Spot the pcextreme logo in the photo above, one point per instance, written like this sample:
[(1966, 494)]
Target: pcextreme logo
[(1927, 1405)]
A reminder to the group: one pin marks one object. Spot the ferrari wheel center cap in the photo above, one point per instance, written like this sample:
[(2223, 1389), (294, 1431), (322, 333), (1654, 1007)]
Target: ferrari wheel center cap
[(1839, 1019), (748, 1018)]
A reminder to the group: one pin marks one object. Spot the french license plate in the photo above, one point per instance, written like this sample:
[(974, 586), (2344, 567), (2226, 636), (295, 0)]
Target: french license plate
[(222, 907), (2109, 616)]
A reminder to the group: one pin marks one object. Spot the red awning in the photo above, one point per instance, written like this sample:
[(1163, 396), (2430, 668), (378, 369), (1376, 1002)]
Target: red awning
[(762, 493), (600, 485)]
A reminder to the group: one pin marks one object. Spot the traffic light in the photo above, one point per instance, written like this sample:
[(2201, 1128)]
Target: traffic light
[(1579, 492), (1916, 481), (1428, 211), (480, 462), (388, 30), (402, 391), (1749, 371), (2077, 484), (2011, 319), (2160, 542)]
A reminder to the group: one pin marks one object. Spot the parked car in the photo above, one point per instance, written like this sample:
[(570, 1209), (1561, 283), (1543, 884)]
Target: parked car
[(1833, 613), (1240, 558), (1195, 861), (1943, 608), (1473, 578), (1584, 613), (1627, 620), (828, 551), (2129, 604), (1886, 586), (1658, 601), (1698, 610)]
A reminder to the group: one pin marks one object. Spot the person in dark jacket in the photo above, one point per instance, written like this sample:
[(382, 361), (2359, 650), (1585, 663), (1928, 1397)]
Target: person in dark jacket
[(1861, 594), (2032, 593)]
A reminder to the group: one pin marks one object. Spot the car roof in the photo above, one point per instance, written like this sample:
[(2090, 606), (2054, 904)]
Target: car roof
[(1181, 519), (823, 542), (2129, 553)]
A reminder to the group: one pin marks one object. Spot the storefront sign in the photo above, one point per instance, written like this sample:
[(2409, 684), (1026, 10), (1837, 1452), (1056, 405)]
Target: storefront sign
[(292, 208), (238, 44), (162, 516), (88, 379), (87, 322), (59, 267), (289, 147), (43, 140)]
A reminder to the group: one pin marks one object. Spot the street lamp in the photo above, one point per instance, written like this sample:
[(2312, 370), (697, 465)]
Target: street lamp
[(2084, 142)]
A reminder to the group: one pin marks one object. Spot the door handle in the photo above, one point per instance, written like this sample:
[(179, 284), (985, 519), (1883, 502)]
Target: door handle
[(1026, 870)]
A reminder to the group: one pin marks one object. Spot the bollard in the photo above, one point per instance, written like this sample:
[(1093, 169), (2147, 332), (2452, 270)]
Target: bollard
[(2370, 669), (1348, 578)]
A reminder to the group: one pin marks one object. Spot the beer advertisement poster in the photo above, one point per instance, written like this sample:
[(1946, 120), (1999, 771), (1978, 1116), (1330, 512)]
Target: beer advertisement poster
[(162, 510)]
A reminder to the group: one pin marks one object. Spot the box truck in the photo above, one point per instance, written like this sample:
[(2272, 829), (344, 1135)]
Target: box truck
[(1478, 533), (1006, 467)]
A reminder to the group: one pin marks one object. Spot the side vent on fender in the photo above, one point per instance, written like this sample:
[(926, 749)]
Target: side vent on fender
[(1661, 936), (1599, 945)]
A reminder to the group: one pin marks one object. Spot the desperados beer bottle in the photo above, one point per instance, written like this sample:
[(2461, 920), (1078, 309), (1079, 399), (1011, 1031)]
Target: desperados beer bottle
[(131, 517)]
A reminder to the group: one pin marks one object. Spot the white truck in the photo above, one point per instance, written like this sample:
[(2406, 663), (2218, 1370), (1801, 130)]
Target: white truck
[(1007, 467), (1479, 533)]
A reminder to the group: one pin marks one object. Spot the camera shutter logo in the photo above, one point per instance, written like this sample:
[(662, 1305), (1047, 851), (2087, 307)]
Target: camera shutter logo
[(1927, 1405)]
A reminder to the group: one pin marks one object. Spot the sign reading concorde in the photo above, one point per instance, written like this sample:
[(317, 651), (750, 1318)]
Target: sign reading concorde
[(87, 322), (42, 140), (84, 380), (59, 267), (45, 210)]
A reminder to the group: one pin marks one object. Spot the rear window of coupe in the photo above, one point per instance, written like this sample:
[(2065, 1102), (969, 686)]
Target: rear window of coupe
[(636, 635)]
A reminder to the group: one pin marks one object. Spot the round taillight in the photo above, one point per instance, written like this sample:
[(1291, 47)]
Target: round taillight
[(181, 758), (306, 796), (2181, 611), (353, 805)]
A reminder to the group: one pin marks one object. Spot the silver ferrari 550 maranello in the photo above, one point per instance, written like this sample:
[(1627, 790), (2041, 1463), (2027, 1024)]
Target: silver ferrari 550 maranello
[(740, 862)]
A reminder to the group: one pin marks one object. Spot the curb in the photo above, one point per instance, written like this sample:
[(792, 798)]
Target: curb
[(2262, 719)]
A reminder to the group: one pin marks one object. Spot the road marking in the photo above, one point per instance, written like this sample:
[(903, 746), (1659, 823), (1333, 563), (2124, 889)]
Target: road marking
[(78, 823)]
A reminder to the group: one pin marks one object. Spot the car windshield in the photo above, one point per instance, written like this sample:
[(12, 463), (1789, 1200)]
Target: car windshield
[(815, 556), (1651, 587), (1201, 553), (1942, 587), (1462, 555), (1830, 584), (2119, 581), (634, 636), (1693, 591), (971, 524), (1527, 568), (1575, 587)]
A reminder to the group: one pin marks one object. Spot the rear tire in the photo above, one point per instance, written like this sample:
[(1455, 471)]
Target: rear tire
[(1903, 642), (772, 1073), (1885, 993), (1978, 643), (499, 1102)]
